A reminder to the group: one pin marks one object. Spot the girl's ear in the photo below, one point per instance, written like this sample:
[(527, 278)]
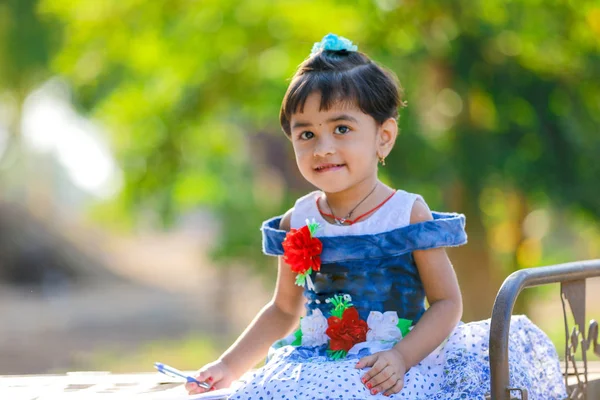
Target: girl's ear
[(386, 137)]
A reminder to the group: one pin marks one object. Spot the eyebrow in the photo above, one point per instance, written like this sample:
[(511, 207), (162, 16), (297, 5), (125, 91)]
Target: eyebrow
[(343, 117)]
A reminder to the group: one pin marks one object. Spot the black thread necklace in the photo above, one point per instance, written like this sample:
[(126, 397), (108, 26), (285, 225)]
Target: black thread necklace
[(342, 221)]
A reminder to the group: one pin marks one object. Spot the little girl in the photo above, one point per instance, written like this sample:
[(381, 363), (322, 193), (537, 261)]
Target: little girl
[(359, 258)]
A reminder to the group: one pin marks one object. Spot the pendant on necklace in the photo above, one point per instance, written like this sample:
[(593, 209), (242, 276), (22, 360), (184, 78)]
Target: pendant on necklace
[(340, 221)]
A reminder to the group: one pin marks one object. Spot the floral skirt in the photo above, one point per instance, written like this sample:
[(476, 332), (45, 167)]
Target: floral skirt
[(457, 369)]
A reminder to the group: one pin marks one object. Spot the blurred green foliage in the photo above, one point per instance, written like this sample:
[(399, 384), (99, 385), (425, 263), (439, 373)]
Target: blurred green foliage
[(26, 44), (502, 116), (187, 353), (26, 47)]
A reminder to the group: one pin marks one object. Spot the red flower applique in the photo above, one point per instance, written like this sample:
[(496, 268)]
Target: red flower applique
[(302, 252), (347, 331)]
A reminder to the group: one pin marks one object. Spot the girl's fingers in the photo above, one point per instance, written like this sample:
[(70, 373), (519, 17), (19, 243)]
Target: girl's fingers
[(217, 385), (396, 388), (189, 386), (383, 381), (375, 368), (210, 376), (206, 376), (201, 376), (196, 389), (367, 378), (367, 361)]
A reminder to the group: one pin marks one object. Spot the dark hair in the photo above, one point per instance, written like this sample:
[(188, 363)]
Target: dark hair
[(343, 76)]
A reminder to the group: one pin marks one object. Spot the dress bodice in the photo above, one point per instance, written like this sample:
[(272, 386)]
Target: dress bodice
[(376, 268)]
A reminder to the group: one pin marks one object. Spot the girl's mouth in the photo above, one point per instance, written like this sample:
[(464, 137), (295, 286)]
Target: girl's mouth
[(329, 167)]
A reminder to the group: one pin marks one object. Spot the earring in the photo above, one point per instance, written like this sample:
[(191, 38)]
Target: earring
[(381, 160)]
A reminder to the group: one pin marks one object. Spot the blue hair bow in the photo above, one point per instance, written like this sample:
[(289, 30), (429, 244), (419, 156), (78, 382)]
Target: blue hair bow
[(333, 42)]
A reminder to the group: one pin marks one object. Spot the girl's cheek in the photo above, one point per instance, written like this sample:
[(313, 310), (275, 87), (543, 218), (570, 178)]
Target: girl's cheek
[(303, 154)]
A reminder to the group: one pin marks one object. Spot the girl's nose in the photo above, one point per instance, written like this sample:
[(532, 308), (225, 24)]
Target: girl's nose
[(323, 148)]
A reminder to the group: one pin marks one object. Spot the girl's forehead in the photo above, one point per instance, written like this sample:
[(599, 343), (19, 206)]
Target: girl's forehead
[(312, 107)]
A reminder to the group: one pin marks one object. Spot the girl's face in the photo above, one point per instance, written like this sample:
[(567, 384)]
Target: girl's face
[(338, 148)]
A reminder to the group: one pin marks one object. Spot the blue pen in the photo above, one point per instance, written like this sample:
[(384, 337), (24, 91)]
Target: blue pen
[(167, 370)]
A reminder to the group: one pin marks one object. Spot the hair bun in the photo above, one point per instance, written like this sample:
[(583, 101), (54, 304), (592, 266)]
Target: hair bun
[(333, 42)]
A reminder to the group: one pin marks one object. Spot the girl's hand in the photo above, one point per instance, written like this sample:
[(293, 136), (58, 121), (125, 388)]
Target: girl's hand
[(387, 373), (216, 374)]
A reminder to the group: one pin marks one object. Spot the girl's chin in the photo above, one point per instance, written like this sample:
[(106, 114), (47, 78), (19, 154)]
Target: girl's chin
[(331, 187), (330, 182)]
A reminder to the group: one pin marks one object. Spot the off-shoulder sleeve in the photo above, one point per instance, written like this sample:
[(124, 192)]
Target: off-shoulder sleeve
[(272, 237), (444, 230)]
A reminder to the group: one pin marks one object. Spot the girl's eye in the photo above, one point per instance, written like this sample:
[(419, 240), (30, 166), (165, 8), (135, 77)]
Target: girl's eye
[(342, 130), (306, 135)]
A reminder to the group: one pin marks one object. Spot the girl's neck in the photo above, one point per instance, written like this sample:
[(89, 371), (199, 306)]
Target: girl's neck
[(343, 202)]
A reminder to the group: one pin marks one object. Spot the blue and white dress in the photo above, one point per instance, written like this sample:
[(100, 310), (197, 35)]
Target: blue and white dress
[(371, 262)]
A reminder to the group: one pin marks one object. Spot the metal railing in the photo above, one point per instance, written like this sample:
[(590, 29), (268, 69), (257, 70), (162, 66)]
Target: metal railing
[(572, 277)]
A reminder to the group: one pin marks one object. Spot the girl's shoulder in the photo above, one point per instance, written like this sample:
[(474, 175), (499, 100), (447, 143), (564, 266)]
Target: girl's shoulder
[(304, 208)]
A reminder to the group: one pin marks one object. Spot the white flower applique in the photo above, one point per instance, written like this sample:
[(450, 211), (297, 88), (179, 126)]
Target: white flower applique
[(313, 329), (383, 326)]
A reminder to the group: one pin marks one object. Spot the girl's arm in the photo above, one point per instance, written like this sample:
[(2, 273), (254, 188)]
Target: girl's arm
[(441, 287), (443, 295), (276, 319)]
